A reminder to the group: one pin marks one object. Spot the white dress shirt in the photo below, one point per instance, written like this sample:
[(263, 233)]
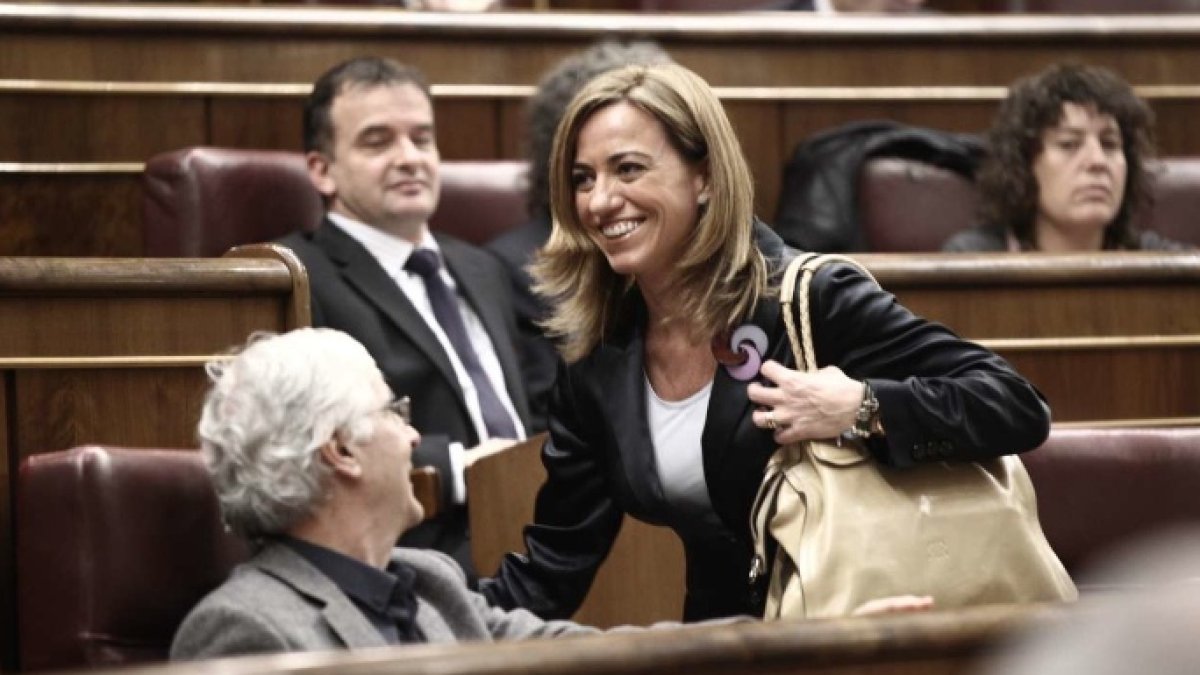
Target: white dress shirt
[(392, 253)]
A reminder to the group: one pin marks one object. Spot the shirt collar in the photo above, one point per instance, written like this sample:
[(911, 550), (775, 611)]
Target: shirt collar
[(361, 582), (391, 251)]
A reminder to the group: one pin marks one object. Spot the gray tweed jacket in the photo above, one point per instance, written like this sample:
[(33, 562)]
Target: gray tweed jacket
[(278, 602)]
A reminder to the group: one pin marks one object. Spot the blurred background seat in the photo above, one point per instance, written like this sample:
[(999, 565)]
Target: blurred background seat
[(114, 547), (199, 202)]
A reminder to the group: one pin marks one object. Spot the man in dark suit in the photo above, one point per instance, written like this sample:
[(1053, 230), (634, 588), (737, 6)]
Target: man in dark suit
[(435, 313)]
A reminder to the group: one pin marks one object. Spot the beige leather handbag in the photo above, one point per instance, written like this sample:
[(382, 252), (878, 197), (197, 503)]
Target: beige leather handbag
[(849, 530)]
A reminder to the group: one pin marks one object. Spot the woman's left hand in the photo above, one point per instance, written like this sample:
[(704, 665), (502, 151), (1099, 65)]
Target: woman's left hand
[(805, 406)]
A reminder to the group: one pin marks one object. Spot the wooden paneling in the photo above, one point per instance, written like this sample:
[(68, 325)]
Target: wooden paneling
[(111, 351), (1104, 385), (63, 408), (513, 123), (1106, 338), (8, 470), (627, 589), (250, 122), (802, 119), (149, 324), (759, 125), (294, 44), (94, 210), (482, 124), (88, 128), (81, 213), (468, 129)]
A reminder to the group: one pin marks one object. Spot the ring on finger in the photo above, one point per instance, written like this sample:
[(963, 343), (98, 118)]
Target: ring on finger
[(771, 424)]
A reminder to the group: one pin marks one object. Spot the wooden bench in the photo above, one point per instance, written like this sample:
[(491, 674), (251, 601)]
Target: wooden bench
[(931, 643), (57, 179), (111, 351), (1109, 339)]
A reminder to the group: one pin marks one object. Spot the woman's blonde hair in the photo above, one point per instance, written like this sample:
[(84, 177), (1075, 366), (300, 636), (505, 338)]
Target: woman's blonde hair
[(719, 274)]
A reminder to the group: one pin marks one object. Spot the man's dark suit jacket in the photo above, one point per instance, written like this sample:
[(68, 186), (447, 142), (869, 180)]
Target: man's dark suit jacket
[(352, 293)]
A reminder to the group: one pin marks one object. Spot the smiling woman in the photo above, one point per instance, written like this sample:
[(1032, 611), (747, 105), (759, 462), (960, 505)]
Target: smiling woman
[(680, 381), (1066, 171)]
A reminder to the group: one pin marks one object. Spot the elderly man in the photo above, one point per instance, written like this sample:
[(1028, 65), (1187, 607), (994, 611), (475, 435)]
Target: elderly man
[(434, 312), (311, 462)]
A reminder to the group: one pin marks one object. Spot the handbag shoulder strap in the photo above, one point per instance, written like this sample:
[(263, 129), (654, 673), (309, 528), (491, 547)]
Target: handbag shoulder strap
[(803, 267)]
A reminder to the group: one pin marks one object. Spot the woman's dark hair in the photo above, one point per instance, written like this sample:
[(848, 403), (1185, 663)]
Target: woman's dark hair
[(1008, 189), (556, 90)]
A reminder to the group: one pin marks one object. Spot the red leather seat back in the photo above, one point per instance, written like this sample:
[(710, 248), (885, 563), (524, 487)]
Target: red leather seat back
[(113, 547), (1175, 213), (200, 202), (1101, 488), (907, 205)]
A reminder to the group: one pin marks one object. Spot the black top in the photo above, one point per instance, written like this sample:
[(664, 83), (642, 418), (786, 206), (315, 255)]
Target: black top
[(989, 240), (386, 598)]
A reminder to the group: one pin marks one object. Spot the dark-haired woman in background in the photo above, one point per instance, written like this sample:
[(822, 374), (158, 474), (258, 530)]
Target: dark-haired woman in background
[(1067, 167)]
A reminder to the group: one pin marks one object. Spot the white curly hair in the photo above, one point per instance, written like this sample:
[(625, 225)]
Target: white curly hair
[(269, 410)]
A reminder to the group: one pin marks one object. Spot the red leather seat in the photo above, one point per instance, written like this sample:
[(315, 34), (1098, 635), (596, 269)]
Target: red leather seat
[(1099, 489), (906, 205), (199, 202), (1174, 213), (114, 547)]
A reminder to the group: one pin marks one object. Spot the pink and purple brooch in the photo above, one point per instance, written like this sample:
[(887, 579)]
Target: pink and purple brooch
[(741, 352)]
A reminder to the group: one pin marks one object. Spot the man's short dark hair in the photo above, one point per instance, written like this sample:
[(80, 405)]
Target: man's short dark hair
[(369, 71)]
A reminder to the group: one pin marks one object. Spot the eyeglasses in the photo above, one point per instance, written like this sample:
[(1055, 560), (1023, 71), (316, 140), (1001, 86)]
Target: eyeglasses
[(402, 408)]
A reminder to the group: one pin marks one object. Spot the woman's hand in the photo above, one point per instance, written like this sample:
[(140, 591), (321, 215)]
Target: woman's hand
[(805, 406)]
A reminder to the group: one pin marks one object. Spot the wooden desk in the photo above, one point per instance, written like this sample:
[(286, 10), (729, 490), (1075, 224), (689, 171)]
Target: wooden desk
[(110, 351), (930, 643), (1109, 339), (641, 582)]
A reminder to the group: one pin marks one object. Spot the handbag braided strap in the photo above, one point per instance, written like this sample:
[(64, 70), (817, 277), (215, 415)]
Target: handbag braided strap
[(805, 266)]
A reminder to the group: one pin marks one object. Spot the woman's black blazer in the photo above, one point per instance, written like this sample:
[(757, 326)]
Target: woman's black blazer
[(940, 398)]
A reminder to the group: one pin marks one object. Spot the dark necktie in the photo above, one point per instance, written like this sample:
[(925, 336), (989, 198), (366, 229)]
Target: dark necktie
[(427, 263)]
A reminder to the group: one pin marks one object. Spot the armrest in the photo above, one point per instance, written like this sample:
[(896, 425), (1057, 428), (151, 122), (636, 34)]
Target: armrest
[(501, 489), (427, 486)]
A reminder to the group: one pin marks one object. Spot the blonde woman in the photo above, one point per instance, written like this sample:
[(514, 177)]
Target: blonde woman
[(679, 382)]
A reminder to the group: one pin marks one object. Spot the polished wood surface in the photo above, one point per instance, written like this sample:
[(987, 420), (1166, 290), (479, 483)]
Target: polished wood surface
[(84, 199), (1105, 337), (926, 643), (75, 213), (110, 351), (294, 44), (427, 488), (640, 583)]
